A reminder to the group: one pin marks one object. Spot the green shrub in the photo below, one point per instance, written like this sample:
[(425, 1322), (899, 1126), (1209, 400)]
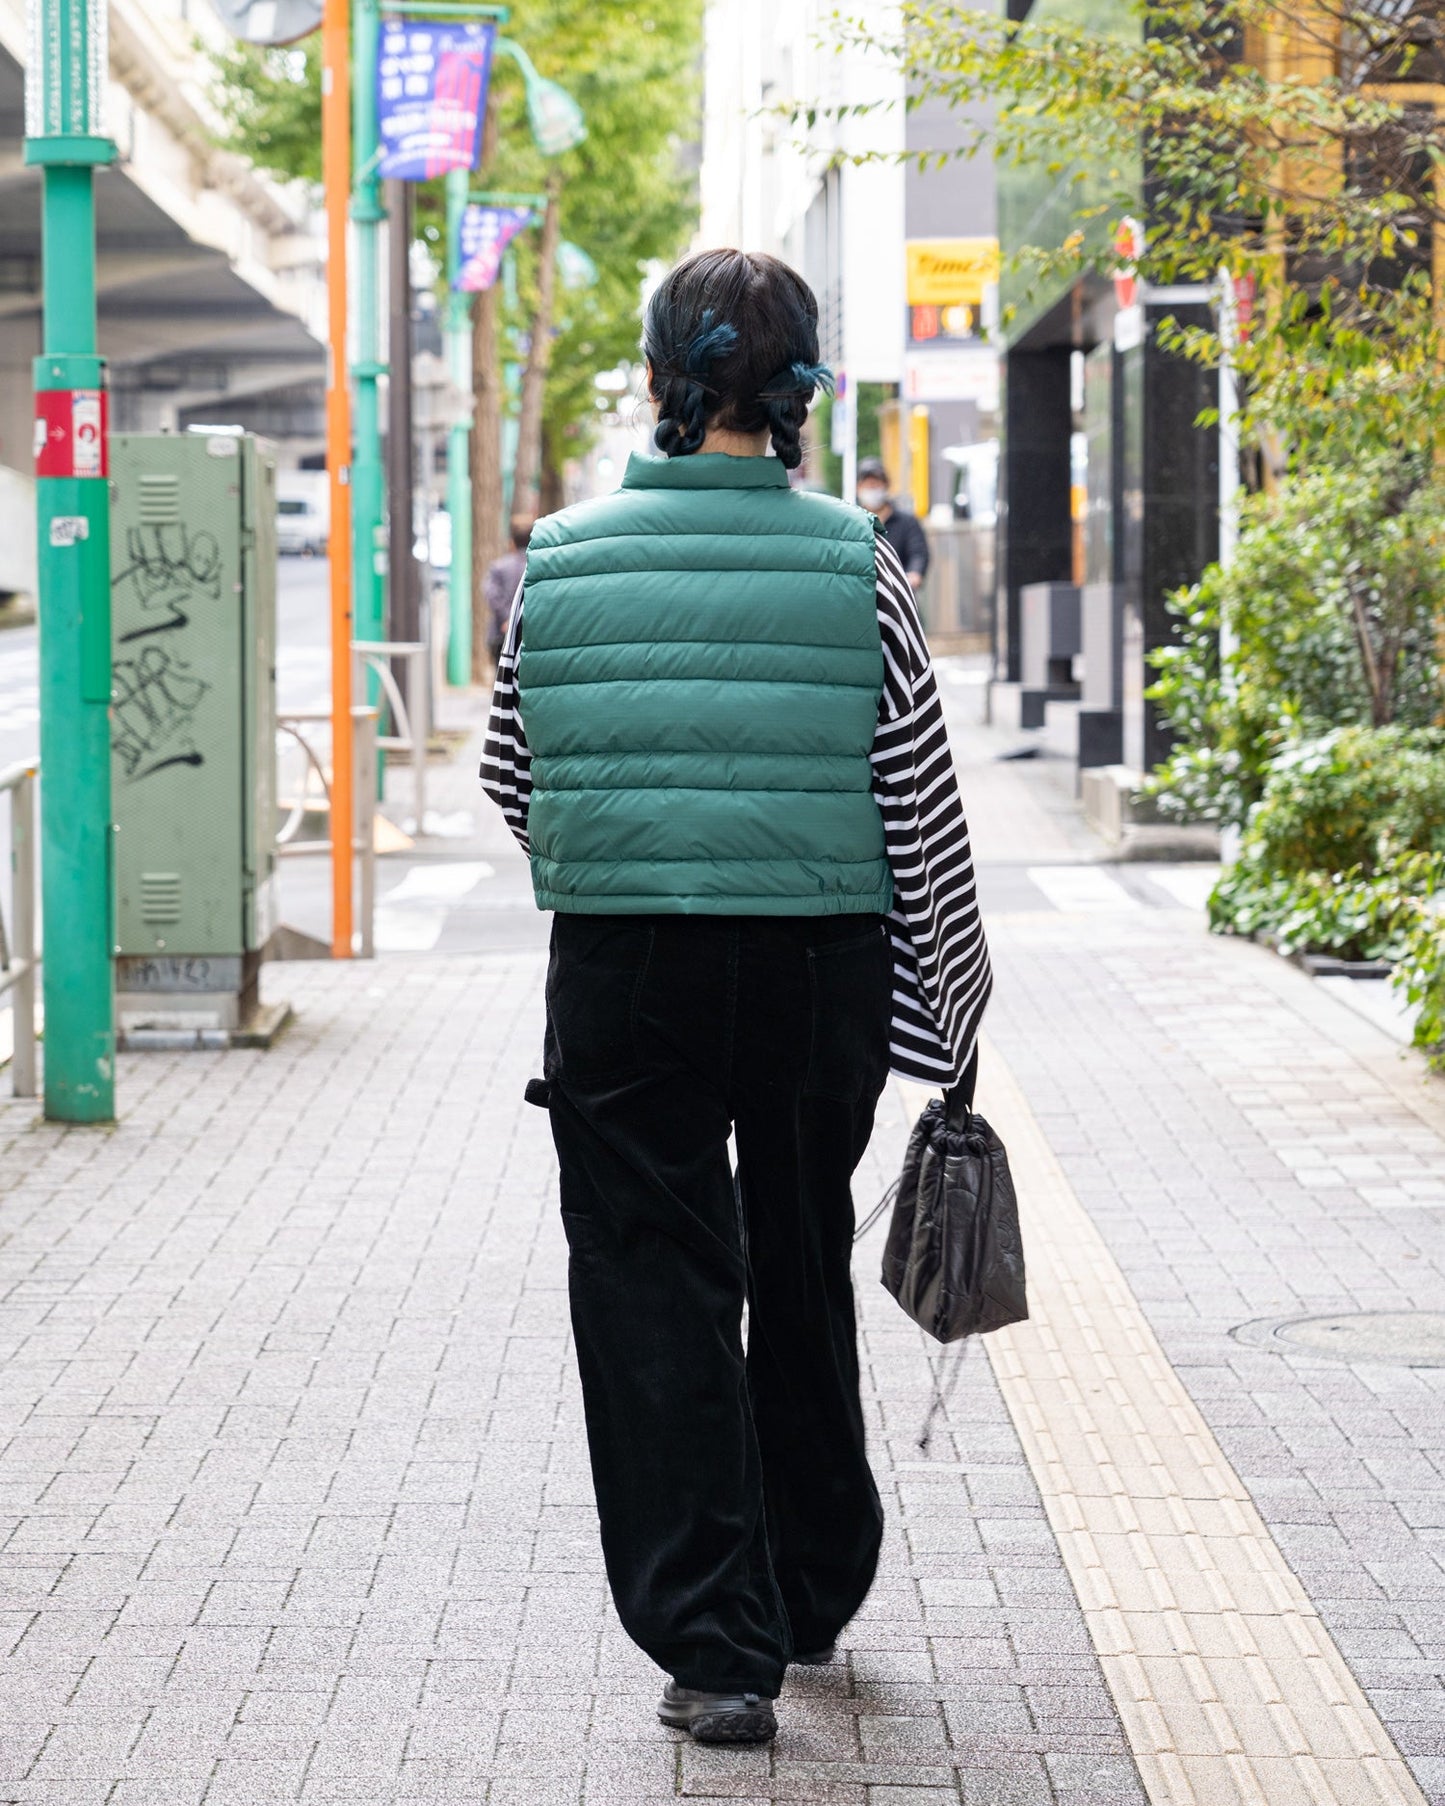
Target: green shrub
[(1330, 611), (1347, 914), (1348, 834), (1420, 974), (1352, 799), (1396, 915)]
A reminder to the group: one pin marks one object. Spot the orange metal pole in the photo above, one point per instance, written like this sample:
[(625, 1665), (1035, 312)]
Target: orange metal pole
[(336, 177)]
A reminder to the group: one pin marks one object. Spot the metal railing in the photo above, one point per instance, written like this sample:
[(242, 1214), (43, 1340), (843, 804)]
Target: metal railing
[(409, 714), (363, 839), (957, 603), (19, 959)]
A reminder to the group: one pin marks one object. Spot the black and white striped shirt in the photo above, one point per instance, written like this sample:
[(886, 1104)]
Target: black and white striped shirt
[(941, 972)]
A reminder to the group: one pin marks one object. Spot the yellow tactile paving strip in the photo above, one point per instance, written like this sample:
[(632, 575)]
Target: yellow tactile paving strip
[(1231, 1691)]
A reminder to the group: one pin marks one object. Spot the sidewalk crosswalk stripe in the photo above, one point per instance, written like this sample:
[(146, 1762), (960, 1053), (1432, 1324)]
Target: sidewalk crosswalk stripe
[(1076, 889), (443, 882), (1189, 885), (407, 930), (1230, 1688), (411, 916)]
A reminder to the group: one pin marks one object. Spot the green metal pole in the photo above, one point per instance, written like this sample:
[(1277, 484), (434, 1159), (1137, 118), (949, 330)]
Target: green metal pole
[(459, 479), (63, 88), (368, 486)]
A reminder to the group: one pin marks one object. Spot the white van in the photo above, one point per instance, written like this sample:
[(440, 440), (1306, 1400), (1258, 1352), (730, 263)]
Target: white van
[(302, 513)]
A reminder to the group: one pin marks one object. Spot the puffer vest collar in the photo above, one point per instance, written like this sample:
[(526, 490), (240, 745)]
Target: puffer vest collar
[(704, 470)]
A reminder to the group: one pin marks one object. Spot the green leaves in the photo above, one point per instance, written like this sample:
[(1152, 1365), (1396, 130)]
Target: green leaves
[(628, 198), (1332, 604), (1307, 176), (270, 101)]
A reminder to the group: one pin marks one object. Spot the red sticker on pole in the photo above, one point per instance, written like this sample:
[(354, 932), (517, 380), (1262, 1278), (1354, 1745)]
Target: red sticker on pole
[(71, 433)]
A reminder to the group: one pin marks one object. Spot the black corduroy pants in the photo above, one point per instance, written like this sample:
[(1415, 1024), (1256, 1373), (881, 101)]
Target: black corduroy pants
[(740, 1520)]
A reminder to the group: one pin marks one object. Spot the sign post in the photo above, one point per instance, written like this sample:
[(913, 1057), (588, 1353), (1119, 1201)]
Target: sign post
[(64, 85), (459, 476), (368, 500), (336, 172), (479, 229), (421, 90)]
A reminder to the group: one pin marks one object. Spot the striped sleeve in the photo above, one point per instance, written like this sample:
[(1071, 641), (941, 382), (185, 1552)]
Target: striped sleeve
[(941, 971), (506, 758)]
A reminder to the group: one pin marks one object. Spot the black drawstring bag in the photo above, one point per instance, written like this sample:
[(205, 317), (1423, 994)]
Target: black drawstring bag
[(955, 1258)]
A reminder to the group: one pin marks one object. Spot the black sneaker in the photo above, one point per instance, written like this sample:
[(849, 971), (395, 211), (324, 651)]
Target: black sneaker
[(815, 1658), (718, 1717)]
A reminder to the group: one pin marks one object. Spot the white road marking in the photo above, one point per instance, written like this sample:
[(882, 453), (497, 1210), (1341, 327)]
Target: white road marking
[(443, 882), (1187, 884), (408, 930), (411, 916), (1081, 889)]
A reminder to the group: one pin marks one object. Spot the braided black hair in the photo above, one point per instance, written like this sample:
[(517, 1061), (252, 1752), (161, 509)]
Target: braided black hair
[(732, 340)]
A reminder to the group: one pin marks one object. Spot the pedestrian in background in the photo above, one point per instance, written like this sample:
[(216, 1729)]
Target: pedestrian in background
[(717, 731), (904, 531), (504, 578)]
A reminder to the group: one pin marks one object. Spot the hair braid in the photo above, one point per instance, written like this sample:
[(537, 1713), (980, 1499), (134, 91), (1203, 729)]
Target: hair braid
[(715, 327), (682, 392), (786, 398)]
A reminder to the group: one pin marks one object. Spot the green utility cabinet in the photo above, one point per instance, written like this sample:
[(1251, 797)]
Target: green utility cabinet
[(193, 724)]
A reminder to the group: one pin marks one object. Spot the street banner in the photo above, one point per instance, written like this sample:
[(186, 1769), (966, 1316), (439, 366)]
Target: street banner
[(483, 235), (431, 93)]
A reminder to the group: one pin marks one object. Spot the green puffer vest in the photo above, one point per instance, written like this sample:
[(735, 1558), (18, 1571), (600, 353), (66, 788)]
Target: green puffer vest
[(699, 677)]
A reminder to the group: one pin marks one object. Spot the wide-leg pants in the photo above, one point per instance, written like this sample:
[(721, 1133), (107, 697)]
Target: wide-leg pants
[(740, 1520)]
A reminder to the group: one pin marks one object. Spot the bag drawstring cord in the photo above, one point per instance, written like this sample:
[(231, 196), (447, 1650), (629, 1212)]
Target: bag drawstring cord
[(941, 1392), (877, 1211)]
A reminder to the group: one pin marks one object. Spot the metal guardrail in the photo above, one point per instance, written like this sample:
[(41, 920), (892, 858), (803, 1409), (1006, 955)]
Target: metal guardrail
[(19, 959), (363, 839), (410, 714)]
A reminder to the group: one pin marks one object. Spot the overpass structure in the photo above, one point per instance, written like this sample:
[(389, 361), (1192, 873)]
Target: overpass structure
[(211, 276)]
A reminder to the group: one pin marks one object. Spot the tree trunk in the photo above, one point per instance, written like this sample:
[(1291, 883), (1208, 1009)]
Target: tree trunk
[(486, 448), (553, 493), (525, 498)]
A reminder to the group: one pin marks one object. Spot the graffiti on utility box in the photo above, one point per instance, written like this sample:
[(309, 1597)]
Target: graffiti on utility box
[(168, 572)]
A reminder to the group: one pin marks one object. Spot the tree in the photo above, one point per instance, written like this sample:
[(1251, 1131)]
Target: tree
[(626, 195), (270, 101), (1288, 143)]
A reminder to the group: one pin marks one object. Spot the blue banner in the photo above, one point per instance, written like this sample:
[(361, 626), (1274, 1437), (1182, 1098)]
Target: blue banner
[(483, 235), (431, 93)]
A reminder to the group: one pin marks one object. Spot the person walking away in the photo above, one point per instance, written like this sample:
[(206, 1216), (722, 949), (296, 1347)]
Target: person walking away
[(503, 579), (716, 731), (904, 531)]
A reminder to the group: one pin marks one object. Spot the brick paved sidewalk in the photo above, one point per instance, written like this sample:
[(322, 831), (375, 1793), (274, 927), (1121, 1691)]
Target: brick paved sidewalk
[(294, 1485), (293, 1490)]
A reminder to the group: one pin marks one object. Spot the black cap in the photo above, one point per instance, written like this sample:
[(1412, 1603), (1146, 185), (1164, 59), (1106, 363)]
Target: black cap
[(873, 467)]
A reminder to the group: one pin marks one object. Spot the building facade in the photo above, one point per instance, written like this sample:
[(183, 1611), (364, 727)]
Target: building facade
[(210, 276), (763, 189), (1109, 490), (903, 261)]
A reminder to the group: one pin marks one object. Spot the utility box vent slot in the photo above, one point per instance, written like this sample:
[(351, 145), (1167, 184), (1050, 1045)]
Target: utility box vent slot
[(160, 898), (160, 500)]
